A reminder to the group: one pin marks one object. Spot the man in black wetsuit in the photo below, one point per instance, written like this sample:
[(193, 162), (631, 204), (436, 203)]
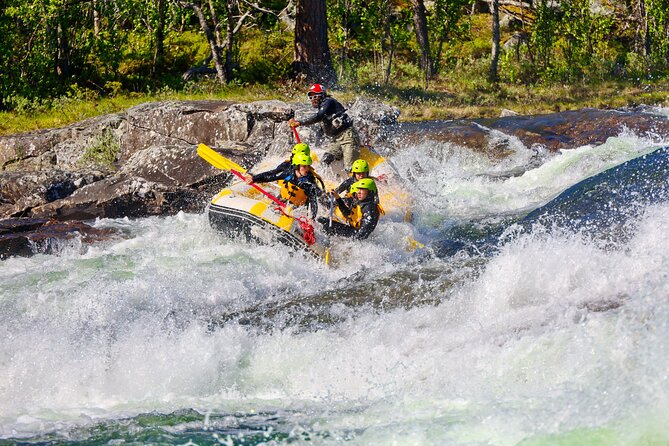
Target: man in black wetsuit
[(362, 215), (359, 170), (299, 183), (336, 124)]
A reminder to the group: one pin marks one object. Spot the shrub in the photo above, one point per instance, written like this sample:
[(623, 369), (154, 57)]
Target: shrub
[(103, 150)]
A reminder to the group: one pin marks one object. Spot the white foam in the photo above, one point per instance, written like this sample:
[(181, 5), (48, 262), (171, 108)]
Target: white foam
[(552, 334), (463, 185)]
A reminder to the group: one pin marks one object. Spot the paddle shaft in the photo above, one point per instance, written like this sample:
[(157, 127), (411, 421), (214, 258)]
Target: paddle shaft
[(327, 233), (332, 200), (260, 189), (297, 136)]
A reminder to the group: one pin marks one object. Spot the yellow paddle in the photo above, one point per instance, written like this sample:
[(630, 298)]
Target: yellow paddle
[(217, 160)]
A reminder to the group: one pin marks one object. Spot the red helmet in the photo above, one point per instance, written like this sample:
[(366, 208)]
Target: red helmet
[(316, 90)]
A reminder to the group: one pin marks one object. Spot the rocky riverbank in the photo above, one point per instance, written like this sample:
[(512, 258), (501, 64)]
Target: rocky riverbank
[(143, 161)]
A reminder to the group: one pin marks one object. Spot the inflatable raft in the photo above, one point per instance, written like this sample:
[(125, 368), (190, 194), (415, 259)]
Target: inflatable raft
[(241, 211), (254, 212)]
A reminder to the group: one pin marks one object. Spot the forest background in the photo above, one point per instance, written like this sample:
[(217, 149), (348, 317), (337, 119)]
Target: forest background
[(65, 60)]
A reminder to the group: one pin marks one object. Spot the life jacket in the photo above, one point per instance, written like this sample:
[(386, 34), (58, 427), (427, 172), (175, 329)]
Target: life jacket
[(293, 193), (355, 217)]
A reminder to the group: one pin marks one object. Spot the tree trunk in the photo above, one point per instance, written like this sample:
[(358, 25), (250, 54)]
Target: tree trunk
[(420, 26), (229, 40), (391, 53), (312, 60), (62, 51), (492, 75), (96, 18), (391, 43), (159, 35), (645, 34), (215, 48), (214, 20)]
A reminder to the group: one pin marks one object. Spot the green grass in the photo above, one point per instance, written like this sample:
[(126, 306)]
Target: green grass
[(70, 110), (461, 91), (446, 98)]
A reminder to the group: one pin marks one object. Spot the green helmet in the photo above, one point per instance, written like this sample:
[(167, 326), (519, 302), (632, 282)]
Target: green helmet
[(353, 189), (360, 166), (302, 159), (365, 183), (301, 148)]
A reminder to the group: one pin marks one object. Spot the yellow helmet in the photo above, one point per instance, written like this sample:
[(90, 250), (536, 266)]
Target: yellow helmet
[(365, 183), (301, 148), (301, 159), (360, 166)]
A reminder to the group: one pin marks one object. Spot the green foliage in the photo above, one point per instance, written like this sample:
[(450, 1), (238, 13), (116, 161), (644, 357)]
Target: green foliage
[(544, 35), (446, 23), (634, 66), (53, 55), (264, 57), (658, 20), (23, 105), (364, 30), (103, 150), (517, 71), (583, 36)]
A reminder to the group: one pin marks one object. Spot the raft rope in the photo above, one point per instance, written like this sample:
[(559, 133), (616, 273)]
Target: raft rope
[(307, 230)]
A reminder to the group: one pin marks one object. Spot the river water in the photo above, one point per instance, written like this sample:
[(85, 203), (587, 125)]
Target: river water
[(536, 334)]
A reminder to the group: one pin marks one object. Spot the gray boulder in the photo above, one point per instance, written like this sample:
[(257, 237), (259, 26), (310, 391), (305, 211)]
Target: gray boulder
[(143, 161)]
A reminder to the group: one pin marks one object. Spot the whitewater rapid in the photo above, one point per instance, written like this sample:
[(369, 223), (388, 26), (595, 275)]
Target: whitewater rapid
[(553, 338)]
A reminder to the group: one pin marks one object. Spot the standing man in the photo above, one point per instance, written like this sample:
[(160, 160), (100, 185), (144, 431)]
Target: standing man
[(336, 124)]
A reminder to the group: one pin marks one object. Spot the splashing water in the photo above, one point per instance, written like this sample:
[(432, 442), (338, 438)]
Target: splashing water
[(175, 335)]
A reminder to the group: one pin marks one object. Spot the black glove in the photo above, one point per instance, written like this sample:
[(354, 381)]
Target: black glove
[(327, 158)]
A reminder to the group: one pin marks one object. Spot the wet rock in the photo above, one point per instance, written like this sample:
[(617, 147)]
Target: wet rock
[(157, 181), (374, 120), (460, 133), (572, 129), (62, 148), (28, 236), (183, 122), (554, 131), (169, 165), (21, 191), (117, 196)]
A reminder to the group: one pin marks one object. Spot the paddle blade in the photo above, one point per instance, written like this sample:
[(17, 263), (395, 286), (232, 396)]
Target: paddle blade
[(217, 160), (413, 244)]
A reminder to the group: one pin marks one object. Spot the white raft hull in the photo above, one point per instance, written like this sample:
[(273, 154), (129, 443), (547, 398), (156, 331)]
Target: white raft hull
[(241, 212)]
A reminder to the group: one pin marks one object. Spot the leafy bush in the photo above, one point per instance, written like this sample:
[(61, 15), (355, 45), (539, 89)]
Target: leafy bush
[(103, 150), (23, 105), (264, 57)]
